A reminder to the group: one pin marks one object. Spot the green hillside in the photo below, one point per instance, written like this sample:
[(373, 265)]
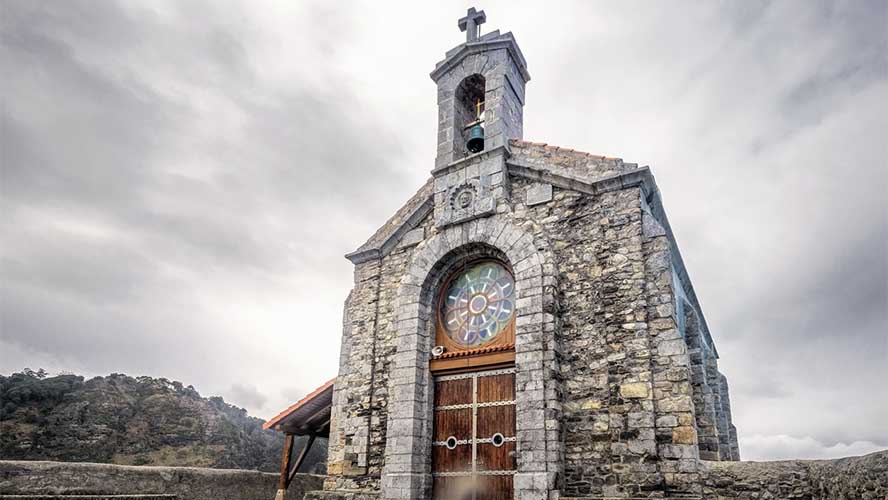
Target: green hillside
[(134, 421)]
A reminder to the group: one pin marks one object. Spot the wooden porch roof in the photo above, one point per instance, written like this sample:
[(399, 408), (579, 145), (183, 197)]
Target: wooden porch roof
[(309, 415)]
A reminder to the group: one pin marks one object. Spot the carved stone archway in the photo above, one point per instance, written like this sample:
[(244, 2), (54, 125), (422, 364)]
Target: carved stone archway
[(408, 450)]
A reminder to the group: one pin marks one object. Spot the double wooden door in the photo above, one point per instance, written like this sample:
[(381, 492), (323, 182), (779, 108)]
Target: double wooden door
[(473, 453)]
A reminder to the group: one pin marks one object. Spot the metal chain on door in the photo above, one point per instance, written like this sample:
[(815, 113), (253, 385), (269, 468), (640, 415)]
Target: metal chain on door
[(474, 443)]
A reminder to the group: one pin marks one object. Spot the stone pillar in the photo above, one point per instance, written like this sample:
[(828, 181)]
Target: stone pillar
[(538, 405), (352, 397), (677, 451), (707, 433), (704, 393), (712, 399), (728, 447), (735, 445)]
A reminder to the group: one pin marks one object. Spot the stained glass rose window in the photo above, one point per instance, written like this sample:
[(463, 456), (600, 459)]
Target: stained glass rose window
[(478, 304)]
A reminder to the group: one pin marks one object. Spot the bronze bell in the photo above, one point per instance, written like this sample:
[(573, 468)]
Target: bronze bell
[(475, 144)]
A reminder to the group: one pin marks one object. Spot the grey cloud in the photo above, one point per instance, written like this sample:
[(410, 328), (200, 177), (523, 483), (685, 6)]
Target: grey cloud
[(100, 113), (783, 447), (246, 395), (92, 272)]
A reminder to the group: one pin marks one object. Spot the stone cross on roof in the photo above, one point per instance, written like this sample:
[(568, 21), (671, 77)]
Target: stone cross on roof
[(471, 22)]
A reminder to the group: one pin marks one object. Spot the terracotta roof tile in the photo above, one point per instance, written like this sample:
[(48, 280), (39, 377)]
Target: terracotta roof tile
[(295, 406)]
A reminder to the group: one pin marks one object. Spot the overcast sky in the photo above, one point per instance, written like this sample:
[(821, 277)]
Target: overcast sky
[(181, 180)]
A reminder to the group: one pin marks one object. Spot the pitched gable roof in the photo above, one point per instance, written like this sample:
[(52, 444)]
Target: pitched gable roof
[(406, 218)]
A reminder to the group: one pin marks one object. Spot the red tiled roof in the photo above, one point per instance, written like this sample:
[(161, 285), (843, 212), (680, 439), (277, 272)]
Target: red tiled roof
[(321, 396)]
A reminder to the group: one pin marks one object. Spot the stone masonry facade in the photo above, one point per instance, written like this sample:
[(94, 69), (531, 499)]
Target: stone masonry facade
[(622, 389), (617, 383)]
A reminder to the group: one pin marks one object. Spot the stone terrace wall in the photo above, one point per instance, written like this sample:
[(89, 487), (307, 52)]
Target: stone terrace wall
[(189, 483), (853, 478)]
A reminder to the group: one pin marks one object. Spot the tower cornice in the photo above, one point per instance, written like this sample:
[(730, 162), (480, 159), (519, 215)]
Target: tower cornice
[(488, 42)]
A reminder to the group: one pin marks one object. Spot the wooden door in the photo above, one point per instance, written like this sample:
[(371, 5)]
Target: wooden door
[(473, 453)]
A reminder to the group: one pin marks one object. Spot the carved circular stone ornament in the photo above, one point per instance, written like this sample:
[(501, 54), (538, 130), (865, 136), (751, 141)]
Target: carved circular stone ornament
[(463, 197), (478, 303)]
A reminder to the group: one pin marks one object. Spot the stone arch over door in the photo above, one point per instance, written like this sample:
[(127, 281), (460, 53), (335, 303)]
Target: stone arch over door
[(407, 471)]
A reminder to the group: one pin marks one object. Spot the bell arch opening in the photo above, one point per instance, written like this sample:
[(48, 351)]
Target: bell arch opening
[(468, 115)]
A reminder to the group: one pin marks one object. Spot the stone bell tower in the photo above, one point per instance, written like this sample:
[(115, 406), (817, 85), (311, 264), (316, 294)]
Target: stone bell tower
[(489, 68), (480, 92)]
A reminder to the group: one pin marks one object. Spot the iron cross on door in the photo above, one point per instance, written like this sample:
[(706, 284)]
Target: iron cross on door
[(474, 436)]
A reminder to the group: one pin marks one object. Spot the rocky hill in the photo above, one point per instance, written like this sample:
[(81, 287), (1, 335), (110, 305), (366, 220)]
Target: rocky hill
[(133, 421)]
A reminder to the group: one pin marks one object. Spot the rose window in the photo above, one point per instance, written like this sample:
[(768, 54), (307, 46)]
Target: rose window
[(478, 304)]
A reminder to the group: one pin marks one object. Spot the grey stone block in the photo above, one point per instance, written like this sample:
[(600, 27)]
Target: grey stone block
[(538, 193), (412, 237)]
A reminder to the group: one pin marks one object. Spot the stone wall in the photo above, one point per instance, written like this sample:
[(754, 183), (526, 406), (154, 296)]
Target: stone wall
[(853, 478), (622, 394), (356, 453), (628, 415), (188, 483)]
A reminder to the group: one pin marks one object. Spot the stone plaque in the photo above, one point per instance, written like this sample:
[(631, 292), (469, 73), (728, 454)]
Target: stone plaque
[(466, 201)]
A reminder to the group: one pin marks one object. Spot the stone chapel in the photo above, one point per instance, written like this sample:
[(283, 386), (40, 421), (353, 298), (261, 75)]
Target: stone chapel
[(524, 326)]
